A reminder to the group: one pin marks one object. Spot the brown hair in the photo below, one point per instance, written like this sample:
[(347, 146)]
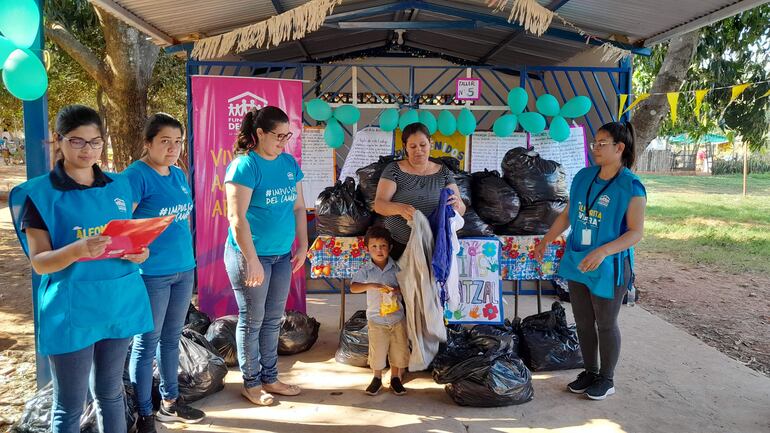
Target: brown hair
[(266, 119), (378, 232)]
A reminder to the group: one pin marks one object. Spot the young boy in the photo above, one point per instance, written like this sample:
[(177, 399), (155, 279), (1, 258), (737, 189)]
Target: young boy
[(387, 324)]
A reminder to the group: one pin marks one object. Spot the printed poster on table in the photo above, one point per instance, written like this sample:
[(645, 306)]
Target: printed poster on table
[(369, 144), (572, 153), (488, 150), (479, 297), (317, 164), (454, 146), (219, 104)]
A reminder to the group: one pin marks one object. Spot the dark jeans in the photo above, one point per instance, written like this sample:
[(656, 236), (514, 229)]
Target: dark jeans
[(260, 310)]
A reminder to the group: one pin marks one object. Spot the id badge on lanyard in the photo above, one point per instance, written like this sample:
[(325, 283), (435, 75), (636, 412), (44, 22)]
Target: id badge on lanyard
[(585, 238)]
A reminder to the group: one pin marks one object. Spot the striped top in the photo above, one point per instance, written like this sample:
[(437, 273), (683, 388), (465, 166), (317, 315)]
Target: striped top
[(422, 192)]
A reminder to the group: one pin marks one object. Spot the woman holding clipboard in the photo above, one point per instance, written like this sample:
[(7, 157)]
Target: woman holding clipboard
[(266, 211), (87, 310), (161, 189), (606, 213)]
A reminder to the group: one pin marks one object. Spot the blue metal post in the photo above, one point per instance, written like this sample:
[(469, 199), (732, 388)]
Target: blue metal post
[(38, 163)]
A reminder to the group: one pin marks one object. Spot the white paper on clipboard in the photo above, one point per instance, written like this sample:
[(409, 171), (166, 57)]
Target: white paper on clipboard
[(317, 165)]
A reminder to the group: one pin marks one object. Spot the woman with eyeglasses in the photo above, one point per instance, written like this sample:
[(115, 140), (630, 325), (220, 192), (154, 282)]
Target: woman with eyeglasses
[(87, 310), (161, 189), (606, 214), (266, 211)]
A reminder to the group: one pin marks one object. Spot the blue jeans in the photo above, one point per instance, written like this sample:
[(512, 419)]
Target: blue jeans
[(169, 299), (260, 310), (71, 372)]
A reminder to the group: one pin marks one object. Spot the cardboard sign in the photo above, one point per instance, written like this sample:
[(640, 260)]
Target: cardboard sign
[(480, 293), (468, 89)]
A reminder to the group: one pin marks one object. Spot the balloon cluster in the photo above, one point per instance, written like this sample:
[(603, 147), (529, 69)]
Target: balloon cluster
[(534, 122), (334, 135), (24, 75), (446, 124)]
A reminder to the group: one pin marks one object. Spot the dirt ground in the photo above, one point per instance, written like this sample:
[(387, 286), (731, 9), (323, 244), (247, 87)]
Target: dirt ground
[(728, 312)]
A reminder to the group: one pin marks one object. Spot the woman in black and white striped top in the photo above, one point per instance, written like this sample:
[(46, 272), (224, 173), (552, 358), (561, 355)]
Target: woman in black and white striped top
[(412, 183)]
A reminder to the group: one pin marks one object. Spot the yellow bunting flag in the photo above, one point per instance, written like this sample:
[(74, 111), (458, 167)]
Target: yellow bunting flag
[(623, 99), (699, 95), (639, 98), (673, 100), (737, 90), (766, 94)]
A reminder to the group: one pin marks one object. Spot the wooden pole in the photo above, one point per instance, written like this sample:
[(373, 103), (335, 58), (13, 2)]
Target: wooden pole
[(745, 166)]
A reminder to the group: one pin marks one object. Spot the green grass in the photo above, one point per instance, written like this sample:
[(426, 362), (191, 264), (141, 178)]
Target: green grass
[(706, 220)]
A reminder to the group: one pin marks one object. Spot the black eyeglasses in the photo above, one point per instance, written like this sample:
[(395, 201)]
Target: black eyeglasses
[(282, 137), (79, 143)]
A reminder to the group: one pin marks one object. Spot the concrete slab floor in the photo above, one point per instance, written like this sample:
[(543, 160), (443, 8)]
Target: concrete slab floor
[(666, 381)]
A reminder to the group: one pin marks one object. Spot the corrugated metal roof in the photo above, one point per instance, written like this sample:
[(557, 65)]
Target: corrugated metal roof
[(635, 19)]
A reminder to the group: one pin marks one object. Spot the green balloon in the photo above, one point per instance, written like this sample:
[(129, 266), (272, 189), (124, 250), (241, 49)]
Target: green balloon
[(22, 28), (24, 75), (547, 105), (559, 130), (576, 107), (427, 119), (466, 123), (517, 100), (319, 110), (347, 114), (334, 135), (447, 124), (6, 48), (505, 125), (532, 122), (409, 117), (389, 119)]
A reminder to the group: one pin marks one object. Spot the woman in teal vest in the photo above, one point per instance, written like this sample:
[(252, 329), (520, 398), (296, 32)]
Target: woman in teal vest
[(266, 211), (160, 189), (606, 214), (87, 310)]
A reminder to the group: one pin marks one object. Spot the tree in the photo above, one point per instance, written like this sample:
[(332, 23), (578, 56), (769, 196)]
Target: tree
[(733, 51), (118, 58)]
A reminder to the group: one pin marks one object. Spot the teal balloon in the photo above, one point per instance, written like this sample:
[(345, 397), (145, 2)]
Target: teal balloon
[(547, 105), (466, 123), (576, 107), (517, 100), (334, 135), (409, 117), (20, 21), (319, 110), (6, 48), (559, 130), (389, 119), (347, 114), (532, 122), (505, 125), (429, 120), (447, 124), (24, 75)]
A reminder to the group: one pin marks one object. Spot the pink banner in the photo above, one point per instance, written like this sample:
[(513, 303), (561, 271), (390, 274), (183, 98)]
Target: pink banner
[(219, 103)]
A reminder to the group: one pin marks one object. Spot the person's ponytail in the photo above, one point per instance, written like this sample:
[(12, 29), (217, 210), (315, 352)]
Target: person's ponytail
[(247, 137)]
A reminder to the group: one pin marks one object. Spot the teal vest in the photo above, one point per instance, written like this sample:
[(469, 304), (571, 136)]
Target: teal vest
[(606, 221), (87, 301)]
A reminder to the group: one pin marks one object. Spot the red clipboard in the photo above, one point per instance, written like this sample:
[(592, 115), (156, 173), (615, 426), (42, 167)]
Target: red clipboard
[(131, 236)]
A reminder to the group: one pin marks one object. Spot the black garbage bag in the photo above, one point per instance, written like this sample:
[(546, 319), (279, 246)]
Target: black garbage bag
[(493, 199), (533, 219), (197, 320), (548, 343), (200, 340), (201, 372), (339, 212), (298, 333), (474, 226), (450, 162), (534, 178), (354, 341), (464, 180), (36, 417), (221, 334), (369, 176), (458, 357), (495, 339), (504, 381)]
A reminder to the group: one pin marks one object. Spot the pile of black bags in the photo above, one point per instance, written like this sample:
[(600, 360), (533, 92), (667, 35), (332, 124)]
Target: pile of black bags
[(369, 177), (339, 212), (354, 341), (481, 367)]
